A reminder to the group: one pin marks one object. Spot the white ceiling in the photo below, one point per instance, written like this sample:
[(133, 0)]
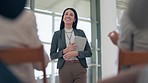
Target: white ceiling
[(122, 4), (82, 6)]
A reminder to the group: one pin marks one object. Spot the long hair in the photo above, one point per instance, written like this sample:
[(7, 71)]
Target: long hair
[(62, 25)]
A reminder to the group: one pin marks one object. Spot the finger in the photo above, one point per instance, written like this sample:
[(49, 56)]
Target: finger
[(109, 34)]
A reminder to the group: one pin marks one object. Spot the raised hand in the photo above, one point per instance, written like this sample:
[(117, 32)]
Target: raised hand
[(114, 36)]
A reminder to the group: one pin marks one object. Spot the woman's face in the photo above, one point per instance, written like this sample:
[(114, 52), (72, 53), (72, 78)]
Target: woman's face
[(69, 17)]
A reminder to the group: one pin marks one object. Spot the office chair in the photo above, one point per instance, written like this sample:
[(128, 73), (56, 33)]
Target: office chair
[(131, 58), (10, 57)]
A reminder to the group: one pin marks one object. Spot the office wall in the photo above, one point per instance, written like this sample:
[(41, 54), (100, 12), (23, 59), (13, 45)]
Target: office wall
[(109, 51)]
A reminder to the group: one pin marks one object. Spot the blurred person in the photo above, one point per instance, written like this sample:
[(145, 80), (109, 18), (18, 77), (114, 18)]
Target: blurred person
[(132, 37), (10, 9), (71, 63), (134, 27), (18, 30)]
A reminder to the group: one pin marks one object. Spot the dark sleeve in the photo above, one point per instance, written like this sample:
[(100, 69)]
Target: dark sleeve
[(54, 54), (87, 50)]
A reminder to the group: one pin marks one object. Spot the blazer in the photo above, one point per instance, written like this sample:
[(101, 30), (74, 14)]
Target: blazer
[(59, 43)]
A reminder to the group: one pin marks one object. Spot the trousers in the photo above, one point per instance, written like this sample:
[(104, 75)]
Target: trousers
[(72, 72)]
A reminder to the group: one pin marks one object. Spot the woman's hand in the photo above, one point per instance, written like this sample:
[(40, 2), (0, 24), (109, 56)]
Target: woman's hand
[(71, 47), (70, 54)]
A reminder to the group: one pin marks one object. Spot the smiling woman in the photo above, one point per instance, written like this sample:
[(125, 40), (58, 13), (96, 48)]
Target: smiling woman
[(48, 15), (65, 50)]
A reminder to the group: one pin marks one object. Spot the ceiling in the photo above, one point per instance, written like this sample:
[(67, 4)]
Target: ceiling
[(121, 4), (81, 6)]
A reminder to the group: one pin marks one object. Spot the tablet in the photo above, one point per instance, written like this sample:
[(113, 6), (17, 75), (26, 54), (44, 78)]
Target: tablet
[(80, 42)]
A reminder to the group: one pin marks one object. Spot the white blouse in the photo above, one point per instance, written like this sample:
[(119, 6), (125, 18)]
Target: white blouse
[(70, 36)]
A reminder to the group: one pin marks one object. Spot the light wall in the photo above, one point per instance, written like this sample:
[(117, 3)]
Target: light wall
[(109, 51)]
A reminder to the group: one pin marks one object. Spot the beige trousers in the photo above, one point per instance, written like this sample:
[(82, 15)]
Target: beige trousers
[(72, 72)]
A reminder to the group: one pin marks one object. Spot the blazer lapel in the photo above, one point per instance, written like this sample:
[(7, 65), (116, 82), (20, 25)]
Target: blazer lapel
[(76, 32), (63, 41)]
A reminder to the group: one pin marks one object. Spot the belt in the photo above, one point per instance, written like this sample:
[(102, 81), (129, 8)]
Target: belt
[(72, 61)]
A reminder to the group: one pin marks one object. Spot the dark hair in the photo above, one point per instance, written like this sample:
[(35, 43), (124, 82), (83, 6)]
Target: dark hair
[(62, 25), (11, 8)]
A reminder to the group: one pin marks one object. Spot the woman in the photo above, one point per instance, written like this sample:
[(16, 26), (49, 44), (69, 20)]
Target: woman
[(71, 63)]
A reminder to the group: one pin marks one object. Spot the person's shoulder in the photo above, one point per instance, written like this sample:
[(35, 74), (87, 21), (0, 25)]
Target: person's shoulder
[(79, 30), (58, 32)]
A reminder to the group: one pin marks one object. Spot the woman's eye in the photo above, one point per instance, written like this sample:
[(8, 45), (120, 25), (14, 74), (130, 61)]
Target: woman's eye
[(71, 14), (66, 14)]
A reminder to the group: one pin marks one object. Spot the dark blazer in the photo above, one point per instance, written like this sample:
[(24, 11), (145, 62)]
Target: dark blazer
[(59, 43)]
